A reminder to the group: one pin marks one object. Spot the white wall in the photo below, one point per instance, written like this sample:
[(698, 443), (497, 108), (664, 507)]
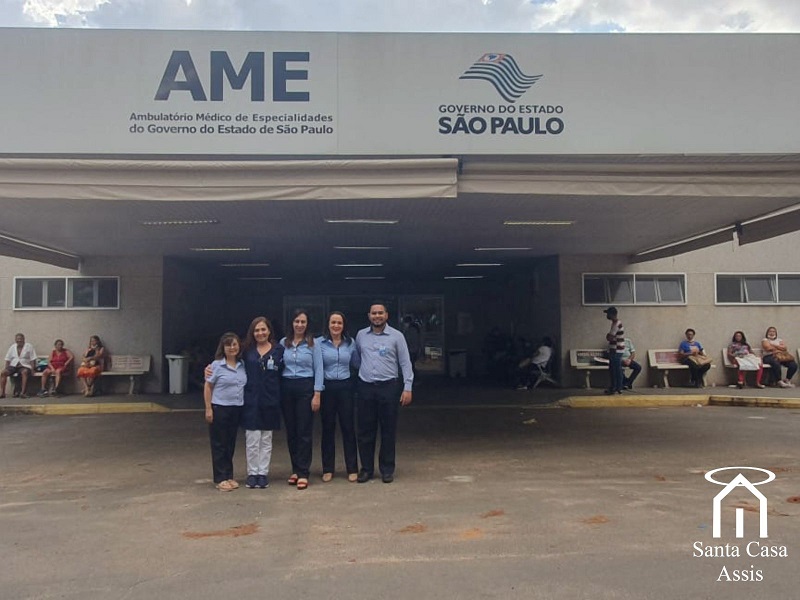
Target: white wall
[(133, 329), (663, 327)]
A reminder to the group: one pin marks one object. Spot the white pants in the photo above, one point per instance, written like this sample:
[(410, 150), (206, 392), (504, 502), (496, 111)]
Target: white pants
[(258, 447)]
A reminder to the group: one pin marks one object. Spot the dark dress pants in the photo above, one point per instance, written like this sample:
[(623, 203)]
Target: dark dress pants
[(696, 371), (378, 404), (635, 368), (337, 402), (222, 432), (296, 395), (615, 371)]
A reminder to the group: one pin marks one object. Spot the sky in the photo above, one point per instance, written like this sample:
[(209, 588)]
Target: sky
[(633, 16)]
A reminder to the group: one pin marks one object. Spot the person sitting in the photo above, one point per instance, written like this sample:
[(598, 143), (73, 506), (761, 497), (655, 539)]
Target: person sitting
[(629, 362), (694, 357), (742, 355), (777, 355), (530, 367), (60, 362), (91, 365), (20, 360)]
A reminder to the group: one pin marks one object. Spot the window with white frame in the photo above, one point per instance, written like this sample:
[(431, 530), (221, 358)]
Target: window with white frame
[(633, 288), (66, 293), (758, 288)]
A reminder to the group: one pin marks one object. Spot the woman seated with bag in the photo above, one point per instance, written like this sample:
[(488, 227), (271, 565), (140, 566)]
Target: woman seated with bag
[(776, 355), (694, 357), (741, 355), (91, 365)]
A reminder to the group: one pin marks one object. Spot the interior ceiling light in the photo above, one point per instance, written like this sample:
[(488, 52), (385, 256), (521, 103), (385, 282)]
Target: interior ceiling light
[(498, 249), (539, 223), (365, 277), (362, 265), (231, 249), (464, 277), (244, 265), (364, 221), (260, 278), (479, 265), (180, 222), (362, 247)]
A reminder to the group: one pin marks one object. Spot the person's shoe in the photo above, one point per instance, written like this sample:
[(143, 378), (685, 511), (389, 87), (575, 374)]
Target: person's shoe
[(387, 478), (789, 384), (760, 386), (24, 395), (251, 482), (627, 386), (522, 387), (42, 394), (352, 477), (363, 477), (262, 482), (740, 386), (326, 477), (608, 391), (783, 384)]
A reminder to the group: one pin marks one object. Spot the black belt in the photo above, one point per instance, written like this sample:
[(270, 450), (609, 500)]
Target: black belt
[(384, 382)]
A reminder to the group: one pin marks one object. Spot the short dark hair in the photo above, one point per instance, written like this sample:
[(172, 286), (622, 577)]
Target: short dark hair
[(688, 330), (227, 339)]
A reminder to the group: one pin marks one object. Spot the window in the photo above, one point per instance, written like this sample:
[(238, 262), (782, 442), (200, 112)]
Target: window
[(634, 288), (758, 288), (66, 293)]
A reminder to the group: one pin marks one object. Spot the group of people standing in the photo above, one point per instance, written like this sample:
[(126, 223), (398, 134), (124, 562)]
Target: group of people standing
[(773, 352), (21, 361), (260, 384)]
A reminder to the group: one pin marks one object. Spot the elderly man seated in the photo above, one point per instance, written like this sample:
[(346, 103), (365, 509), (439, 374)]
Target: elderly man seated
[(20, 360)]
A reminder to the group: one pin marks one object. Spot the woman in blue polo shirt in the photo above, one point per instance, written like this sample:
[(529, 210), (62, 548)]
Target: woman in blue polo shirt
[(301, 385), (335, 350), (224, 396)]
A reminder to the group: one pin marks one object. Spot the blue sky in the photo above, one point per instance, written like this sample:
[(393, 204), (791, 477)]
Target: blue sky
[(411, 15)]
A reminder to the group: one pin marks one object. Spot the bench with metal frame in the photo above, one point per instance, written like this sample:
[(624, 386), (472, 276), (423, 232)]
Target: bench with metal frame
[(666, 360)]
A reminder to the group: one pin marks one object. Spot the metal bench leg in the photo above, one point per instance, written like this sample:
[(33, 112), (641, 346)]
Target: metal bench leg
[(130, 389), (588, 385), (666, 379)]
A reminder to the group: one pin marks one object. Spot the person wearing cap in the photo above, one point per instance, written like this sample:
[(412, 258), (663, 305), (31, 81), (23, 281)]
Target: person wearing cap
[(616, 346)]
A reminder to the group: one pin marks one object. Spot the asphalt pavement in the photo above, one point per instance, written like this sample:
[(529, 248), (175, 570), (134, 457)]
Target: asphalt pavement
[(502, 499)]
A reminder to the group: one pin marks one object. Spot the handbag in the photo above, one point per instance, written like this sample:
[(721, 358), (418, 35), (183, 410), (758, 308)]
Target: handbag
[(748, 362), (700, 359), (782, 356)]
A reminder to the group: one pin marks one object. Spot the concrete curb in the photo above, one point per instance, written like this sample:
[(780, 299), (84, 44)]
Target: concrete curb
[(629, 401), (99, 408)]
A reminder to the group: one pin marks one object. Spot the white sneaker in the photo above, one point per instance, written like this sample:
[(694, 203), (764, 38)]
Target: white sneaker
[(783, 384), (789, 384)]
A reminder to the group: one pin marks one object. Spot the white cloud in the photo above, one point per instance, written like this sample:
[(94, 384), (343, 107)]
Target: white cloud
[(412, 15)]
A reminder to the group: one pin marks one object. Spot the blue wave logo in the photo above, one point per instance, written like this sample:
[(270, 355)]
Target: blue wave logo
[(502, 72)]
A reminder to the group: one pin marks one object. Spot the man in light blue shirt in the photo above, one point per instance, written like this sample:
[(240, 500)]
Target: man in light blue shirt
[(382, 357)]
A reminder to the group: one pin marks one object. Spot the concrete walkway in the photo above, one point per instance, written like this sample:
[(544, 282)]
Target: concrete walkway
[(435, 393)]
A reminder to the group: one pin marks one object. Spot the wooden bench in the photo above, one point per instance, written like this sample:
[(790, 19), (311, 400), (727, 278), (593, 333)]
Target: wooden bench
[(128, 365), (667, 360), (588, 360)]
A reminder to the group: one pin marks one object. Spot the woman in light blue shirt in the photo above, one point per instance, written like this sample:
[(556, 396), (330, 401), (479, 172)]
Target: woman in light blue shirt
[(224, 397), (335, 350), (301, 384)]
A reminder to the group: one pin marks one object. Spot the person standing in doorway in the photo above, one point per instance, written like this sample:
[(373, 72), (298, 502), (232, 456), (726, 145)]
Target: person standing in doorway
[(616, 346), (382, 358)]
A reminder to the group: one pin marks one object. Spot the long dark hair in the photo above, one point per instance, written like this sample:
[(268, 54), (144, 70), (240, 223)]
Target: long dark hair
[(250, 338), (744, 339), (345, 337), (309, 337), (99, 341), (227, 339)]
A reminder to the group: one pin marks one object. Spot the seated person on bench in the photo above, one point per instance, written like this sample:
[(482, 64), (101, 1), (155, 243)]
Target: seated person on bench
[(60, 362), (19, 361), (529, 366)]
